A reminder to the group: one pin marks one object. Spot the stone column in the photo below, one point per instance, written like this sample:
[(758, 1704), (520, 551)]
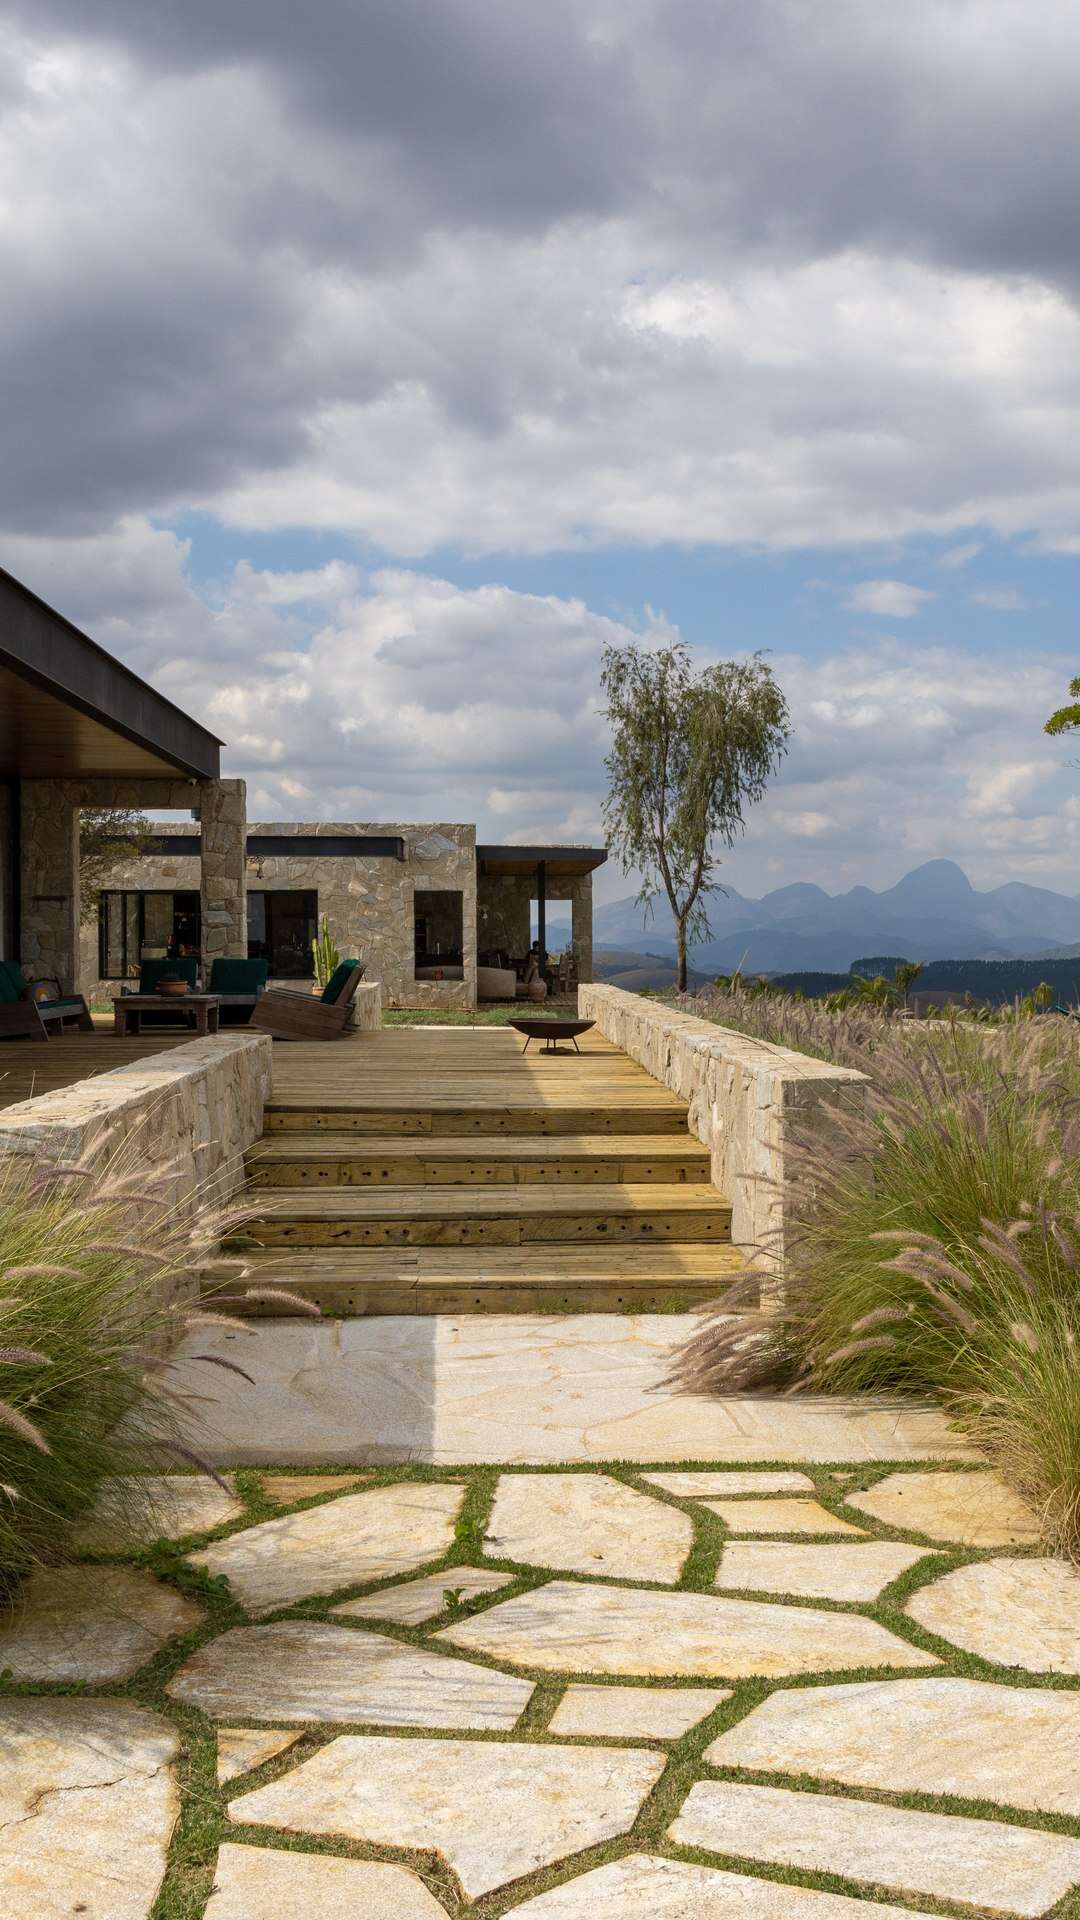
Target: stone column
[(581, 927), (222, 807), (49, 904)]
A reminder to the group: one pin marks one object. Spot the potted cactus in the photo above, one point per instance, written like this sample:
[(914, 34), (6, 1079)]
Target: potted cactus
[(325, 955)]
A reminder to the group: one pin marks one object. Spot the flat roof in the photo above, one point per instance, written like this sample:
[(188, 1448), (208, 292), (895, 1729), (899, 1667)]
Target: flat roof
[(67, 708), (562, 863)]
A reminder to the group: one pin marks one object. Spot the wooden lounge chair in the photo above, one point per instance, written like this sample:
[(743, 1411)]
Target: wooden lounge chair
[(33, 1009), (289, 1014)]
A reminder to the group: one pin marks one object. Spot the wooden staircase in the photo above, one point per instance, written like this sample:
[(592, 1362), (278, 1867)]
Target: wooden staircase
[(578, 1193)]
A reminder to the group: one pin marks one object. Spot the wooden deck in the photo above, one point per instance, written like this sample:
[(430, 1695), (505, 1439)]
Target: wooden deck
[(31, 1067), (424, 1169)]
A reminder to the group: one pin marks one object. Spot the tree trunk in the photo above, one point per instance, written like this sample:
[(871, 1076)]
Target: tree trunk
[(680, 956)]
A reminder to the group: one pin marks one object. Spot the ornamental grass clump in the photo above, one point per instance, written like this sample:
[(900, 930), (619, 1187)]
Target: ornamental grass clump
[(936, 1248), (95, 1284)]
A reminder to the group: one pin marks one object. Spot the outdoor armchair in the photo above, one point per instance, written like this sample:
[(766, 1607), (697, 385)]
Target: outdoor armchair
[(238, 984), (290, 1014), (32, 1008), (152, 972)]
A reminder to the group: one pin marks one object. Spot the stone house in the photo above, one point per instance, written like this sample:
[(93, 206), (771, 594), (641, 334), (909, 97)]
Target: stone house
[(423, 905)]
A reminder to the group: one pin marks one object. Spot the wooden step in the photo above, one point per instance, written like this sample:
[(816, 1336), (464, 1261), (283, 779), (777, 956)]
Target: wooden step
[(386, 1160), (659, 1114), (456, 1280), (506, 1216)]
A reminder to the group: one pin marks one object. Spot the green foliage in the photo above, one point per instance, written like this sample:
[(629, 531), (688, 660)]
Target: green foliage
[(935, 1236), (689, 754), (107, 836), (1067, 719), (85, 1321), (325, 954)]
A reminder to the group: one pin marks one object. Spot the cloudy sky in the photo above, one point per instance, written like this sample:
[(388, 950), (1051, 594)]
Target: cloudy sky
[(367, 367)]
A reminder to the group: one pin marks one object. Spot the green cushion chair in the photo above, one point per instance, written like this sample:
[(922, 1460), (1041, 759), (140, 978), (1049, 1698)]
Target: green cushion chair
[(153, 971), (28, 1012), (238, 984), (291, 1015)]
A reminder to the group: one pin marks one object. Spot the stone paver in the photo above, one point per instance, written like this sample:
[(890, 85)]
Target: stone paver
[(522, 1389), (260, 1883), (571, 1627), (134, 1509), (856, 1571), (698, 1486), (1021, 1613), (589, 1523), (779, 1516), (634, 1713), (90, 1623), (642, 1888), (285, 1488), (1014, 1745), (87, 1807), (493, 1810), (420, 1600), (966, 1509), (241, 1748), (362, 1536), (1009, 1869), (309, 1670)]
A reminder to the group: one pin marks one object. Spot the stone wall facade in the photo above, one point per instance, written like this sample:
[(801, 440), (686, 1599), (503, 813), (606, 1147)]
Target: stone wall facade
[(190, 1113), (54, 941), (742, 1094)]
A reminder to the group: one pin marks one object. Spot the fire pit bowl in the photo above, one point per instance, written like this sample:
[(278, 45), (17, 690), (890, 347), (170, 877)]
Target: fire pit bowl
[(550, 1031)]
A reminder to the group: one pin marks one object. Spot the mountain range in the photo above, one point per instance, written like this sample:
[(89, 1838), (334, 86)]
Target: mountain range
[(933, 913)]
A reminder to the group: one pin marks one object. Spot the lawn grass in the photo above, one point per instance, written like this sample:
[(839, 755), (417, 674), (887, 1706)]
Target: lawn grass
[(204, 1823)]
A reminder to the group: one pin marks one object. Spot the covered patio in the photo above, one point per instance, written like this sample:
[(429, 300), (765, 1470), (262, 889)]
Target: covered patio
[(511, 881)]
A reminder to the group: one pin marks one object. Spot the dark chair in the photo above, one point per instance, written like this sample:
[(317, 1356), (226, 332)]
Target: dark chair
[(34, 1008), (290, 1014), (152, 972), (238, 984)]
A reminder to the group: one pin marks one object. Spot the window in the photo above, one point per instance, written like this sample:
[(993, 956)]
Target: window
[(281, 928), (439, 933), (134, 926)]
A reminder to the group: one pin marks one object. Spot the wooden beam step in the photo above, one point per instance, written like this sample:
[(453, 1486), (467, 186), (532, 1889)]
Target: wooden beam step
[(384, 1160), (450, 1121), (534, 1279), (488, 1216)]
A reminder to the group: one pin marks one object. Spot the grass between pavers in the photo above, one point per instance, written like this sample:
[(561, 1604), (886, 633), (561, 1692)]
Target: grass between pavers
[(204, 1823)]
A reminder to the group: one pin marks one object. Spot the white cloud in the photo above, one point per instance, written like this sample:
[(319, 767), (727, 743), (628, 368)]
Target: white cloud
[(893, 599), (961, 556), (1000, 599)]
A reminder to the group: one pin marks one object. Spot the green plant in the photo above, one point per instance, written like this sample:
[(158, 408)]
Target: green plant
[(325, 954), (88, 1309), (107, 836), (934, 1245), (689, 753)]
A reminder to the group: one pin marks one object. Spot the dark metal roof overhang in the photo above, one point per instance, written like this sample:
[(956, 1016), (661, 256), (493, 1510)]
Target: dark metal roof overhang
[(560, 863), (68, 710)]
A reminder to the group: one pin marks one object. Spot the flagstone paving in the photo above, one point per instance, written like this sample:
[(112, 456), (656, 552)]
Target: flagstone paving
[(968, 1509), (1010, 1869), (241, 1748), (423, 1729), (495, 1813), (1020, 1613), (253, 1883), (361, 1536), (572, 1628), (90, 1623), (780, 1516), (858, 1572), (589, 1523), (134, 1509), (306, 1670)]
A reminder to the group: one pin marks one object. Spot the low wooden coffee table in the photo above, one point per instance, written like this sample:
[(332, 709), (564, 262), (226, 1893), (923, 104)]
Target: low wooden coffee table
[(204, 1009)]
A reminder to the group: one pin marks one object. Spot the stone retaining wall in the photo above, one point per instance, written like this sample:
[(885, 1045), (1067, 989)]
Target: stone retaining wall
[(195, 1109), (741, 1092), (367, 1006)]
